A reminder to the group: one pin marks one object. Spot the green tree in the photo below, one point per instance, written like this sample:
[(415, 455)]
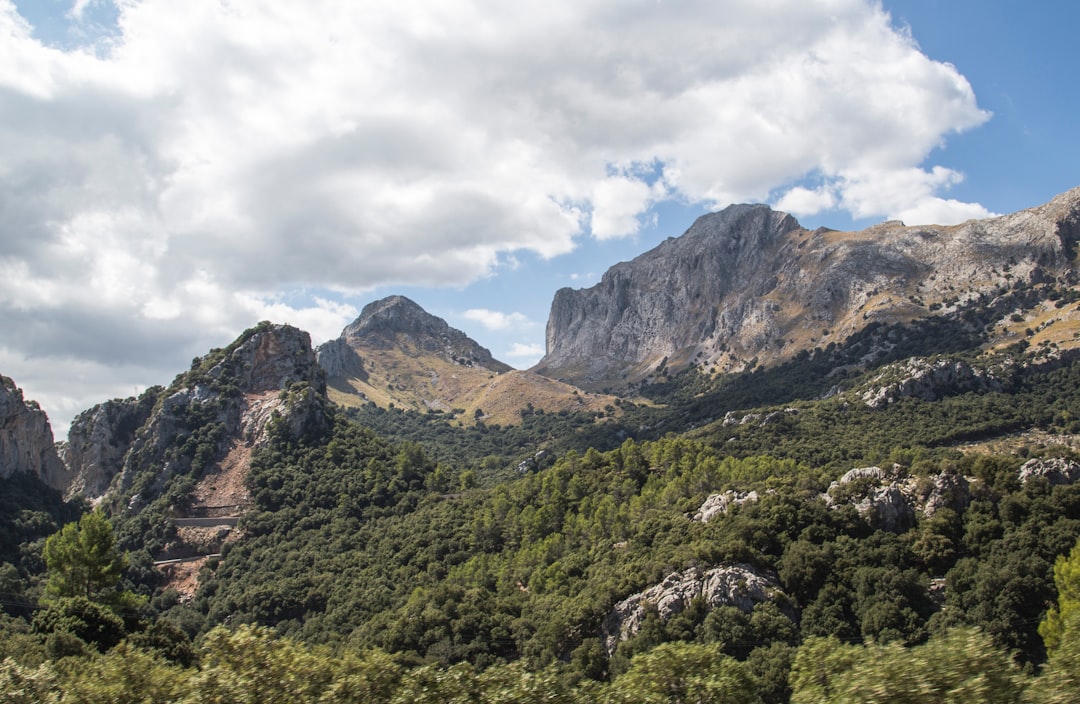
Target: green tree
[(20, 684), (685, 672), (77, 616), (1067, 581), (82, 560), (252, 666), (962, 667), (123, 676), (1060, 679)]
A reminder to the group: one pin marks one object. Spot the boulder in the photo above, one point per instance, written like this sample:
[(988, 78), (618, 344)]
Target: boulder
[(738, 585), (1056, 470)]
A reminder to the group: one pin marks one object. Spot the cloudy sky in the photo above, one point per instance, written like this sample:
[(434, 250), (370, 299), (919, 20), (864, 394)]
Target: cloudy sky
[(173, 172)]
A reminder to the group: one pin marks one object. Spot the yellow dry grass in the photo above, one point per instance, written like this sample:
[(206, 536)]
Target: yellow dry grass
[(413, 380)]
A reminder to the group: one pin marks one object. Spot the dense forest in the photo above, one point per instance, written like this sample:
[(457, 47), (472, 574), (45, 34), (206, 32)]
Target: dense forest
[(394, 556)]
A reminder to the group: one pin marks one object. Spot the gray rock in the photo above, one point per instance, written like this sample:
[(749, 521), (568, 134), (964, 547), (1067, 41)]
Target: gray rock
[(740, 585), (951, 491), (26, 439), (337, 358), (891, 500), (888, 508), (929, 381), (720, 503), (98, 441), (1056, 470)]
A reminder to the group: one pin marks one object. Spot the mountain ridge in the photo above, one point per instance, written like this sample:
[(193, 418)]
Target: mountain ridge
[(749, 285)]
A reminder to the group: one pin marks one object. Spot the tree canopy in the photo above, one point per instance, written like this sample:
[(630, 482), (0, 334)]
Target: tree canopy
[(83, 561)]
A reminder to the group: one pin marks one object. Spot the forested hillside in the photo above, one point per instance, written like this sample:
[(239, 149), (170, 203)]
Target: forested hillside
[(388, 571)]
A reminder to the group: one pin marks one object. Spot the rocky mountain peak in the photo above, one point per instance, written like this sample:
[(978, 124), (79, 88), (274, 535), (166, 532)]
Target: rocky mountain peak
[(398, 322), (26, 439), (748, 285), (397, 354), (227, 399), (395, 314)]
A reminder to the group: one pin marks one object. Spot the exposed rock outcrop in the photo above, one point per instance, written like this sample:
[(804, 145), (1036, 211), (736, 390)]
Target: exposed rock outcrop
[(890, 499), (741, 586), (1056, 470), (26, 439), (748, 285), (718, 504), (930, 380), (338, 358), (99, 439)]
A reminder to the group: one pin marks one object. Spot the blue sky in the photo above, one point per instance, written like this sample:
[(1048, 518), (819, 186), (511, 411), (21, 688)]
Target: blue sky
[(175, 172)]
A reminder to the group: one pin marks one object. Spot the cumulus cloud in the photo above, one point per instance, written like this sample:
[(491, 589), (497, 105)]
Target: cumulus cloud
[(496, 320), (204, 157), (525, 354), (909, 195)]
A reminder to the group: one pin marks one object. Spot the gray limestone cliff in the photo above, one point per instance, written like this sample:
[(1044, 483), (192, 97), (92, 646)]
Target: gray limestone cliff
[(99, 439), (749, 284), (26, 439)]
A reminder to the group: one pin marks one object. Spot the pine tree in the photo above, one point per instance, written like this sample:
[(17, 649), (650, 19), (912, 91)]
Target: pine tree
[(82, 560)]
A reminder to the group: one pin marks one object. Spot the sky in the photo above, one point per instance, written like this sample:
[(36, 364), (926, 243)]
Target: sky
[(171, 173)]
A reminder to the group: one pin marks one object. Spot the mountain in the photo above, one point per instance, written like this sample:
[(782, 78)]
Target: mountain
[(204, 426), (26, 439), (892, 496), (396, 353), (748, 285)]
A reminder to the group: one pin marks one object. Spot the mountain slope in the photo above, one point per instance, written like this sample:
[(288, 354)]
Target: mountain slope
[(208, 419), (398, 354), (749, 285)]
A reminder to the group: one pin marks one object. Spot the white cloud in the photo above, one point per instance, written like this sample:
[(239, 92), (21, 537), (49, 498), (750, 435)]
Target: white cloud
[(205, 157), (908, 195), (525, 355), (618, 204), (807, 201), (495, 320), (902, 194), (78, 8)]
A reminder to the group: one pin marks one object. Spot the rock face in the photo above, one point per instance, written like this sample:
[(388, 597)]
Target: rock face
[(218, 411), (740, 586), (890, 500), (26, 439), (337, 358), (98, 441), (748, 285)]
